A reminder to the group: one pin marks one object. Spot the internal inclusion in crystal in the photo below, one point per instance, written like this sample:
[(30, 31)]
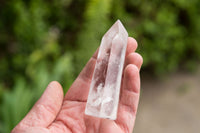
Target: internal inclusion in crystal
[(105, 86)]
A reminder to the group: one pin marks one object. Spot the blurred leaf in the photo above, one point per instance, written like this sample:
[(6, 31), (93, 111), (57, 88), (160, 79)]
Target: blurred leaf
[(15, 105)]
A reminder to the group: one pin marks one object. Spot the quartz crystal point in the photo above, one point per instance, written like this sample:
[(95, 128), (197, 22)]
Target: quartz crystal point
[(104, 91)]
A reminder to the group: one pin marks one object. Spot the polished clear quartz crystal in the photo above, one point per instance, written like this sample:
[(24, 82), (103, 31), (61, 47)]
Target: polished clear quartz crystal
[(104, 91)]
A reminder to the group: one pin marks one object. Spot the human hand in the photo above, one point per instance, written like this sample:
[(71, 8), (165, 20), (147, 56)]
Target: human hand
[(54, 113)]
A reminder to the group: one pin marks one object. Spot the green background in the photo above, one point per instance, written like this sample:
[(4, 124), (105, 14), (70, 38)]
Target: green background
[(45, 40)]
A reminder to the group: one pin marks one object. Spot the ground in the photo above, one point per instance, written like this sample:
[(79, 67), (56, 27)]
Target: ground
[(170, 105)]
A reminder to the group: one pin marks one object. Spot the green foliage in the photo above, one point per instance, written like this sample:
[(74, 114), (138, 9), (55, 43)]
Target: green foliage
[(39, 72), (95, 19), (42, 40), (15, 105), (167, 32)]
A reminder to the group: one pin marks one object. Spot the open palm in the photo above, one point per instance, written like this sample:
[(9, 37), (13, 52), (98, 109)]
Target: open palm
[(54, 113)]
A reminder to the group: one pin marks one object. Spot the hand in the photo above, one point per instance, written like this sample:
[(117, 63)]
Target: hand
[(54, 113)]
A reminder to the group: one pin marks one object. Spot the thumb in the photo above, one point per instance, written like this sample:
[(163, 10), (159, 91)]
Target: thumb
[(45, 109)]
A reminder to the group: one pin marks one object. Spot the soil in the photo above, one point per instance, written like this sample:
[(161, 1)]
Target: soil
[(169, 105)]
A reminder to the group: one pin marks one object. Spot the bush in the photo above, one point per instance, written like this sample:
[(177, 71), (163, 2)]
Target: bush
[(44, 40)]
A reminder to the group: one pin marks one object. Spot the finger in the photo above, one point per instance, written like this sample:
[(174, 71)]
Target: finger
[(80, 88), (45, 109), (134, 58), (86, 73), (131, 46), (129, 98), (131, 88)]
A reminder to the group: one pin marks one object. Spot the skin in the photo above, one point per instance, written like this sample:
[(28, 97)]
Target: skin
[(56, 113)]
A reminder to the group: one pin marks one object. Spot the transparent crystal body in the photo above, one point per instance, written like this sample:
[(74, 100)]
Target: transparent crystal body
[(104, 91)]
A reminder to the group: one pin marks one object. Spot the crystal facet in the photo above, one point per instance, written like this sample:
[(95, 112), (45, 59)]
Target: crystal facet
[(106, 81)]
